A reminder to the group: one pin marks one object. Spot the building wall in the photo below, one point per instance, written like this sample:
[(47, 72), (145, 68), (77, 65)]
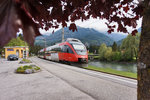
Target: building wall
[(14, 50)]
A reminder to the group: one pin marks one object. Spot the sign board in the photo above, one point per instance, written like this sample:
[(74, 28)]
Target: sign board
[(10, 49)]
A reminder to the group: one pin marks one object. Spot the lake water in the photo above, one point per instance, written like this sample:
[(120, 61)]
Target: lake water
[(128, 67)]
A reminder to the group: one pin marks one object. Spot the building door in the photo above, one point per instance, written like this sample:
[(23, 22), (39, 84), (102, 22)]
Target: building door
[(17, 53), (21, 53)]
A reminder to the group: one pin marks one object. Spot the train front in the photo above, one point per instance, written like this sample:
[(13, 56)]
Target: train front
[(81, 52)]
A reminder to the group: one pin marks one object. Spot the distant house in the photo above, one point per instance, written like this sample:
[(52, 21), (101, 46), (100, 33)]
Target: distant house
[(20, 51)]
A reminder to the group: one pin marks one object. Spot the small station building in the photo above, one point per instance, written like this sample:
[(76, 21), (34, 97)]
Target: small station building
[(20, 51)]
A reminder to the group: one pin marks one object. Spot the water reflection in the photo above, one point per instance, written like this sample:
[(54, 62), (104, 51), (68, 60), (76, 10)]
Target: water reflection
[(128, 67)]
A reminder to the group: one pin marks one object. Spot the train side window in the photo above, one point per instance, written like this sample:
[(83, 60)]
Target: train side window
[(67, 50), (64, 48), (61, 48)]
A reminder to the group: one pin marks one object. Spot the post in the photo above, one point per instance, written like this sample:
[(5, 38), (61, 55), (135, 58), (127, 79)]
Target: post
[(26, 50), (44, 42)]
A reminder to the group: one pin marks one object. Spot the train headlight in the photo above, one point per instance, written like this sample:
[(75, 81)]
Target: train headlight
[(82, 60)]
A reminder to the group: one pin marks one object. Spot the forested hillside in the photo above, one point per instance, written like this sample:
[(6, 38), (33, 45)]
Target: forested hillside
[(86, 35)]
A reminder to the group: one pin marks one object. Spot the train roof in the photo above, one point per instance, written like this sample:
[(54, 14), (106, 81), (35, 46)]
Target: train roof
[(69, 40), (72, 40)]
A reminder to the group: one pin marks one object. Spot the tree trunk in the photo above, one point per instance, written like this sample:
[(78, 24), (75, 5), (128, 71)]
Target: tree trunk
[(144, 56)]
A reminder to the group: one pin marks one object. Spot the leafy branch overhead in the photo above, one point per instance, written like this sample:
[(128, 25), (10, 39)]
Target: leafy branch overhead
[(30, 15)]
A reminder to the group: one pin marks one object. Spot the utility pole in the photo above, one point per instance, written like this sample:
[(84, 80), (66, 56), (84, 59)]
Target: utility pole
[(44, 41), (62, 34)]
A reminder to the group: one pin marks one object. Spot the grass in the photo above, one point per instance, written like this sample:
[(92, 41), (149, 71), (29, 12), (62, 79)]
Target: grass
[(112, 71)]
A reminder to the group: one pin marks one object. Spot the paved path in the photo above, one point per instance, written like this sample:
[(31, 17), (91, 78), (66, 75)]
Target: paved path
[(99, 86), (61, 82)]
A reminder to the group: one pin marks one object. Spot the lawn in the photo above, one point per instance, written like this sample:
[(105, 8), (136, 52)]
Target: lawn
[(112, 71)]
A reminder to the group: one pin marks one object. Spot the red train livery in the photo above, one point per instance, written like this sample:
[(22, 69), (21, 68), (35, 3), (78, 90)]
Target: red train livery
[(72, 50)]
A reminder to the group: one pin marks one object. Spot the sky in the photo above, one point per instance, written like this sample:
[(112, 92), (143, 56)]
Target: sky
[(96, 24)]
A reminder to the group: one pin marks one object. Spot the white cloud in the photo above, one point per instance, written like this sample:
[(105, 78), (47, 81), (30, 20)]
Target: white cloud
[(93, 23), (97, 24)]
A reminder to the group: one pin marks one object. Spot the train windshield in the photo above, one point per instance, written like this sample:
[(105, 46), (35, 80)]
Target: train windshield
[(80, 49)]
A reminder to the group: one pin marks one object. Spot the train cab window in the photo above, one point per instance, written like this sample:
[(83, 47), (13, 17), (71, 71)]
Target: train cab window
[(59, 49), (79, 48)]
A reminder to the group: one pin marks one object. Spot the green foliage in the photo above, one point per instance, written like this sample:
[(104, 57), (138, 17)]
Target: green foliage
[(108, 54), (102, 51), (116, 56), (34, 49), (93, 49), (128, 51), (1, 49), (27, 67), (37, 68), (114, 47), (22, 69), (21, 37), (26, 60), (127, 55), (130, 47), (16, 42)]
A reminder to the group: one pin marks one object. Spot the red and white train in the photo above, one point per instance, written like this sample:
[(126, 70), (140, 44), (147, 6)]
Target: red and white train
[(72, 50)]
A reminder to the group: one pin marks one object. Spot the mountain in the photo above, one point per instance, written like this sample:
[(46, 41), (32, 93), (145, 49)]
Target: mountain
[(116, 36), (120, 41), (86, 35)]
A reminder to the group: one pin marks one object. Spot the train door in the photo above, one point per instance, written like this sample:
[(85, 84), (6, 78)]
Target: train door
[(68, 54), (44, 53), (63, 56)]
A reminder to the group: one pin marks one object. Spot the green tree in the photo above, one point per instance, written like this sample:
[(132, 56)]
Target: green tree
[(17, 42), (127, 55), (102, 50), (34, 49), (1, 49), (130, 46), (108, 54), (116, 56), (114, 47), (21, 36), (93, 49)]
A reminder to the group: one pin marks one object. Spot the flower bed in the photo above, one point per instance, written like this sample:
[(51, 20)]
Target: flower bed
[(23, 61), (28, 69)]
